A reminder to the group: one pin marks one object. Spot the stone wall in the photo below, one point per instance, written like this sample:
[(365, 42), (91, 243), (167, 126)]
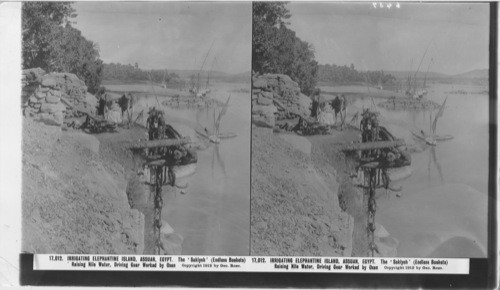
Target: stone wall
[(276, 87), (42, 93)]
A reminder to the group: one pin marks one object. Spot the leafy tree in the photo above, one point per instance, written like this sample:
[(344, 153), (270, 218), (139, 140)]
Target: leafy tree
[(50, 42), (73, 53), (277, 49), (270, 13), (40, 24)]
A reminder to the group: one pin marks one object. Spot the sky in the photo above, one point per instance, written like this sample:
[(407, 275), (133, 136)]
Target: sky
[(457, 35), (171, 35)]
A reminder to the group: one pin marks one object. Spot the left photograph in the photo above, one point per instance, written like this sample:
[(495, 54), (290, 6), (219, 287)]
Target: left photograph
[(136, 128)]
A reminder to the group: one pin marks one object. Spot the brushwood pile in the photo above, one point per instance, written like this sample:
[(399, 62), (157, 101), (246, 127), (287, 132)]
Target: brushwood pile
[(42, 95), (276, 97)]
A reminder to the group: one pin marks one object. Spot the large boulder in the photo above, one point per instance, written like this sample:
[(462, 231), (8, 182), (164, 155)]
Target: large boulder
[(49, 82), (264, 101), (51, 99), (264, 110), (266, 121), (49, 119), (52, 108), (260, 83), (32, 75)]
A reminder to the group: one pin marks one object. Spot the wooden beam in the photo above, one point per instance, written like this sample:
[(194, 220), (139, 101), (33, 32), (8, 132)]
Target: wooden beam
[(369, 145), (158, 143)]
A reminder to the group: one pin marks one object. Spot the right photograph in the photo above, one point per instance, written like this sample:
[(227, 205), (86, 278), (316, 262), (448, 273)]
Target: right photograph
[(370, 129)]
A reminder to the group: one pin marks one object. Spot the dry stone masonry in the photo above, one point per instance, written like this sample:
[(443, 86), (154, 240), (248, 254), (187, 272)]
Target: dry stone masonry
[(268, 88), (42, 93)]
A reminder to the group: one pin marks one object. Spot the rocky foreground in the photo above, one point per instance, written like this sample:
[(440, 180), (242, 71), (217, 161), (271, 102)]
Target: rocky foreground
[(82, 194), (295, 204), (74, 201)]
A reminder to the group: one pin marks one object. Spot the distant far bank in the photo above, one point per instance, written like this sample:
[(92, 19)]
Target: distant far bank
[(473, 74), (128, 73), (478, 77)]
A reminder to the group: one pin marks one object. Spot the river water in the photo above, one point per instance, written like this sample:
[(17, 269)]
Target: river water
[(442, 210), (214, 217)]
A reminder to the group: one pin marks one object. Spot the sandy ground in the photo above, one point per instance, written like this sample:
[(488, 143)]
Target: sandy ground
[(294, 204), (74, 198)]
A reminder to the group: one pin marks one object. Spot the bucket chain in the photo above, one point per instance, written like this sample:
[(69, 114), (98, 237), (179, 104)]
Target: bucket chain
[(371, 174), (158, 206)]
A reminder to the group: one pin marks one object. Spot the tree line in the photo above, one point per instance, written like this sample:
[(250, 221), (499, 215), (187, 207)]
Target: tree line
[(51, 43), (277, 49), (129, 72), (345, 75)]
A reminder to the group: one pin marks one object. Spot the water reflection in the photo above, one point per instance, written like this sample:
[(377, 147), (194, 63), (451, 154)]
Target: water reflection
[(216, 156), (204, 132), (443, 205), (433, 158)]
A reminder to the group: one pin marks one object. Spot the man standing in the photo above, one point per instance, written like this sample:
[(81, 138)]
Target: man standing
[(343, 112), (124, 103), (315, 103), (102, 101)]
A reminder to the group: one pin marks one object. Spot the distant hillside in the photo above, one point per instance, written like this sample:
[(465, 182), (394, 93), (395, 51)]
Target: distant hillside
[(474, 74)]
